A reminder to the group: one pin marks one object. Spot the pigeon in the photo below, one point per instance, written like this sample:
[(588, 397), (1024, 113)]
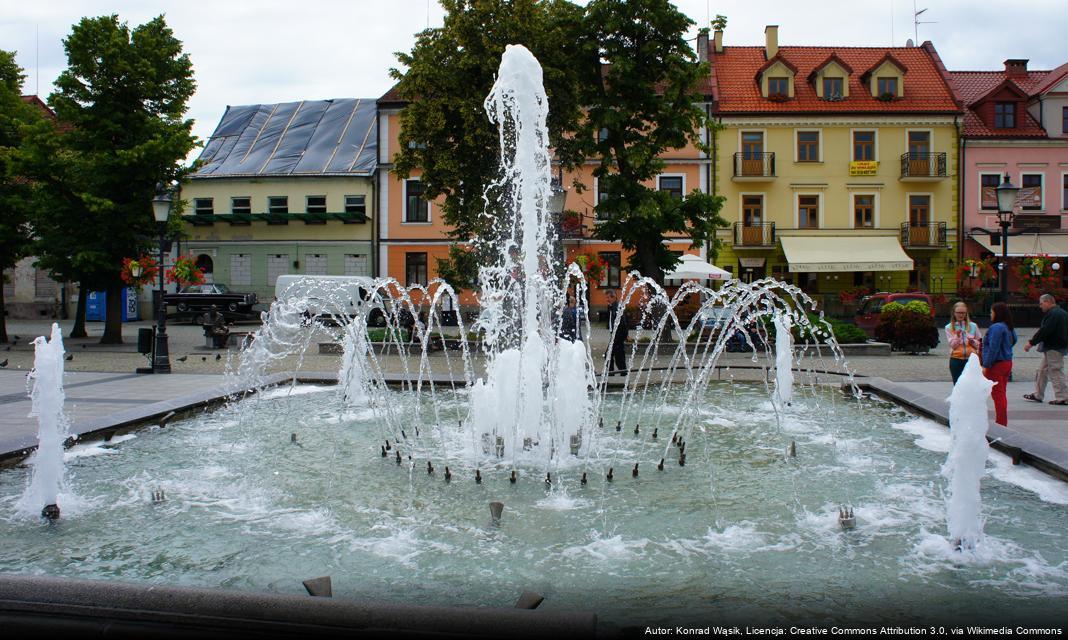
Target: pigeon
[(203, 358), (218, 356), (4, 363), (70, 356), (183, 358), (85, 346)]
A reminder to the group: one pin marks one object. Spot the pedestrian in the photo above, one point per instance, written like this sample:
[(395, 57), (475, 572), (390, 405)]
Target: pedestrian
[(963, 337), (1051, 339), (997, 357), (618, 329), (570, 327)]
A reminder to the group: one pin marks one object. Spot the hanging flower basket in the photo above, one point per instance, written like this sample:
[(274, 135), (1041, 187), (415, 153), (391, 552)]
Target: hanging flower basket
[(592, 266), (1036, 274), (973, 273), (139, 272), (185, 272)]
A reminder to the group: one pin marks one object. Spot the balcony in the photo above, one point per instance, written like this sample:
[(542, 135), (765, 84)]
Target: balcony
[(754, 235), (923, 167), (754, 167), (923, 236)]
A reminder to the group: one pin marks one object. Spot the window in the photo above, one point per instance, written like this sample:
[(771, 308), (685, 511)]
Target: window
[(1064, 199), (887, 85), (315, 204), (278, 204), (315, 264), (241, 204), (864, 211), (988, 195), (415, 205), (204, 206), (672, 185), (808, 212), (752, 210), (356, 264), (863, 145), (1030, 195), (602, 195), (1064, 132), (919, 142), (1005, 115), (277, 265), (415, 269), (778, 86), (832, 89), (613, 273), (602, 135), (919, 212), (356, 204), (808, 146)]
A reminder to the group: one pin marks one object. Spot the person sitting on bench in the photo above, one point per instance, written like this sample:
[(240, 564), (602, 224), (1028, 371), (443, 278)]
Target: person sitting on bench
[(215, 327)]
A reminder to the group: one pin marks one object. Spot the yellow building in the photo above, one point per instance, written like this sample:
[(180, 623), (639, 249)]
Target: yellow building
[(838, 165), (285, 189)]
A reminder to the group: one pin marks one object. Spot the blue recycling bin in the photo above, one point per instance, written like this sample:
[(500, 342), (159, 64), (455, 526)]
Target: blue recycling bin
[(96, 307)]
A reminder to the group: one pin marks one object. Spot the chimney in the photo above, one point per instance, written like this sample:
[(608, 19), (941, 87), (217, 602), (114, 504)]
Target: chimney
[(718, 39), (771, 37), (702, 45), (1016, 68)]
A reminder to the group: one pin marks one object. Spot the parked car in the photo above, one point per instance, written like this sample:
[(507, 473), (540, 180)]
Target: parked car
[(867, 316), (351, 291), (196, 300)]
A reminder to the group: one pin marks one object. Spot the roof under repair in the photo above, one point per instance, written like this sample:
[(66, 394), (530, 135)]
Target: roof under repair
[(311, 137)]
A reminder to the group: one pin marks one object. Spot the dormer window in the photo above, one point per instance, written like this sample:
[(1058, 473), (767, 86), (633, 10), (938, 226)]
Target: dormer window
[(1004, 115), (832, 89), (779, 86), (887, 86)]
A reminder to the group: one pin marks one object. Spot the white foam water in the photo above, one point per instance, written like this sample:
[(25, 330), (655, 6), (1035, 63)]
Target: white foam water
[(968, 449)]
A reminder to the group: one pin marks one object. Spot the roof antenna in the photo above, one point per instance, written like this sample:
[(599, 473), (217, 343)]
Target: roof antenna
[(891, 23), (37, 74), (916, 22)]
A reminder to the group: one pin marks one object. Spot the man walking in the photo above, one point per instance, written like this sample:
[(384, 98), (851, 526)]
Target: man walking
[(1052, 340), (618, 344)]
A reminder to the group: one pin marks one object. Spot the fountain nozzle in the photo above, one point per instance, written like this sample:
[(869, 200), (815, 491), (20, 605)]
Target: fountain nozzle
[(478, 477), (609, 476), (50, 512), (383, 452), (496, 509), (576, 443), (637, 429), (792, 449), (682, 459), (660, 467), (548, 479), (157, 496), (398, 456), (655, 430), (619, 425), (846, 518), (512, 478), (448, 474), (634, 472), (387, 446), (293, 438), (583, 481), (429, 467)]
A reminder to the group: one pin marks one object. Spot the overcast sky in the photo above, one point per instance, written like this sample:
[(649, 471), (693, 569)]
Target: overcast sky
[(263, 51)]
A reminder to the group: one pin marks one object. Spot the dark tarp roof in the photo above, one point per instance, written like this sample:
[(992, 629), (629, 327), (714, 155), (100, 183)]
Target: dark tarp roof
[(311, 137)]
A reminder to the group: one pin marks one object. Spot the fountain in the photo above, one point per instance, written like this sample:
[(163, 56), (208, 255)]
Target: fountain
[(968, 452), (52, 430), (769, 486)]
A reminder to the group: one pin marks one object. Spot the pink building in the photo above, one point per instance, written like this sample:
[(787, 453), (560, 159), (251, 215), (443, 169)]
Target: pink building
[(1015, 123)]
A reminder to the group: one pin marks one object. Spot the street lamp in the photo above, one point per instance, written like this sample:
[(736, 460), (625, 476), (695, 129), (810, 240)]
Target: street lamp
[(1006, 192), (161, 211)]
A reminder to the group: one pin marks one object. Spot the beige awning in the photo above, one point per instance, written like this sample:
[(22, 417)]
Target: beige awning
[(836, 253), (1028, 244)]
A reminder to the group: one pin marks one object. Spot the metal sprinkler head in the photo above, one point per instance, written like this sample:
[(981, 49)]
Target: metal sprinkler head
[(609, 476), (388, 448), (660, 467), (655, 430), (398, 456), (512, 478), (682, 460), (600, 423), (846, 518), (448, 475), (637, 429), (674, 438), (619, 425), (50, 512), (792, 449), (478, 477), (429, 467), (496, 509), (548, 479), (157, 496), (384, 454), (634, 471), (404, 435), (583, 481), (292, 437)]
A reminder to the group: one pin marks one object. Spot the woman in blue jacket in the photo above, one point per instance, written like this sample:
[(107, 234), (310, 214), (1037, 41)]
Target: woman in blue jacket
[(997, 357)]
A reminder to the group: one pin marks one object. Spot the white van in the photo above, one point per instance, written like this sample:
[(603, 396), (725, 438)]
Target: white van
[(331, 295)]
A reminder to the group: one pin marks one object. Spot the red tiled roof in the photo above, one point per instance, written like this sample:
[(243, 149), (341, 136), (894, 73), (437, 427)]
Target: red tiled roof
[(1052, 78), (736, 92), (972, 86)]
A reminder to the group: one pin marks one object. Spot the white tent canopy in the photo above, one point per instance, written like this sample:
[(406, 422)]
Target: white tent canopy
[(695, 268)]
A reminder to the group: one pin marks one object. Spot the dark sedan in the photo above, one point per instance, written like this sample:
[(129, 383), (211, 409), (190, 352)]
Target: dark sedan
[(197, 299)]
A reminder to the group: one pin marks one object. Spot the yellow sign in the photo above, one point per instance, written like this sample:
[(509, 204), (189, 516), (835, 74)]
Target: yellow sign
[(863, 167)]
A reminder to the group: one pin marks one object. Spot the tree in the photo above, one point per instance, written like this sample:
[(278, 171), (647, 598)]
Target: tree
[(640, 84), (445, 134), (16, 203), (123, 99)]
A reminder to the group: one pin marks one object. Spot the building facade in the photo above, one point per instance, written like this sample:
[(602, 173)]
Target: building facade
[(838, 165), (285, 189), (1016, 125)]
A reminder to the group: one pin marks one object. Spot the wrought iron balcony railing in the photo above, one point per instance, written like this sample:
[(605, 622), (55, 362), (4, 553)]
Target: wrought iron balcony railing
[(923, 165)]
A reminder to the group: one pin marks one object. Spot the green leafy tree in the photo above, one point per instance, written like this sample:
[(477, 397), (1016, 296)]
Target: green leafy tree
[(122, 99), (16, 201), (445, 134), (640, 85)]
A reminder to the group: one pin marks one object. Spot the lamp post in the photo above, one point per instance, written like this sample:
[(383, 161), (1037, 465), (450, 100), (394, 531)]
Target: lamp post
[(1006, 193), (161, 211)]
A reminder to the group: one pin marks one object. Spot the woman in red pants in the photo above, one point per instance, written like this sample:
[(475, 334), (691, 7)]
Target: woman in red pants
[(997, 357)]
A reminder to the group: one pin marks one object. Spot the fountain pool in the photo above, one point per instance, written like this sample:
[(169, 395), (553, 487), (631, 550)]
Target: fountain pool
[(742, 532)]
